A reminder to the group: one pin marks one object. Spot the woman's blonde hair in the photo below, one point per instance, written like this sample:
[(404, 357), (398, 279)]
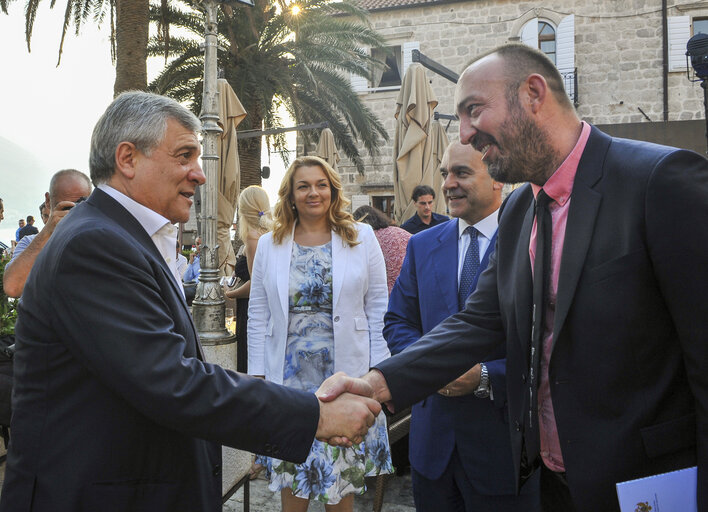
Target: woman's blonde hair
[(340, 221), (253, 212)]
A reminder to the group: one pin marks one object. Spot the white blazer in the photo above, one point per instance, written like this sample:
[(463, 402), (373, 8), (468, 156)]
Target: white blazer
[(359, 301)]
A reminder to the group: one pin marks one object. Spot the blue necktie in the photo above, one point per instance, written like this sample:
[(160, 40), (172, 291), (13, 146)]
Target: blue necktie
[(469, 268)]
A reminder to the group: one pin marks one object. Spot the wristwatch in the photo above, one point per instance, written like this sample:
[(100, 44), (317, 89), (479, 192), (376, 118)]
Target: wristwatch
[(482, 390)]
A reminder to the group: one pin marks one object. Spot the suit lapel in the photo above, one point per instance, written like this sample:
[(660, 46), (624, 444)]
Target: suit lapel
[(283, 254), (130, 224), (340, 256), (584, 206), (524, 284), (485, 260), (445, 264)]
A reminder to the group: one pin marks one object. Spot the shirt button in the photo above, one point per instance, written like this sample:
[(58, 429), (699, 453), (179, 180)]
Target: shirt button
[(523, 377), (336, 319), (216, 470), (517, 426)]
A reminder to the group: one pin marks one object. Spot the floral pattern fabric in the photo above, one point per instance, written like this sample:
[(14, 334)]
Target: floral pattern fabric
[(329, 473)]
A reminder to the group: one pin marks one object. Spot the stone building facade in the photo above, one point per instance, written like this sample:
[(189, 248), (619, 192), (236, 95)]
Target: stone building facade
[(610, 51)]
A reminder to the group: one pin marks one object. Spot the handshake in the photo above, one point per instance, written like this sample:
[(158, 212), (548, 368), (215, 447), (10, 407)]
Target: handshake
[(349, 406)]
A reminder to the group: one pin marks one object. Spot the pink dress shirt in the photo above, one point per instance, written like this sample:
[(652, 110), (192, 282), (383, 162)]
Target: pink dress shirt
[(558, 187)]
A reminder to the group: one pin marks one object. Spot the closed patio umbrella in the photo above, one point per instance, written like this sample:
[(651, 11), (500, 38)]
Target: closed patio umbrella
[(413, 147), (231, 113), (326, 148), (440, 142)]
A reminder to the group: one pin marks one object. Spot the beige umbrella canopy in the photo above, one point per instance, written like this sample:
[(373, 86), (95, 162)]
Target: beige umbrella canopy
[(440, 143), (231, 113), (326, 149), (412, 148)]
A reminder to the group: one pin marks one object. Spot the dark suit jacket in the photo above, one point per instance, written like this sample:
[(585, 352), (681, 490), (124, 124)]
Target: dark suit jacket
[(629, 364), (415, 225), (114, 407), (424, 295)]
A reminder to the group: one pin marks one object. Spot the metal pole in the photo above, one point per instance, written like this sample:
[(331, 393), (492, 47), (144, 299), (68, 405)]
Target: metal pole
[(705, 108), (208, 305)]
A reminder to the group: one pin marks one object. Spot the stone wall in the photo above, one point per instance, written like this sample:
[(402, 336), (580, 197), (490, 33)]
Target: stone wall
[(618, 56)]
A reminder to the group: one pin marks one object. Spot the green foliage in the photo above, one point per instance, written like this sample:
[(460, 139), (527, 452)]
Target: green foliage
[(8, 307), (273, 58)]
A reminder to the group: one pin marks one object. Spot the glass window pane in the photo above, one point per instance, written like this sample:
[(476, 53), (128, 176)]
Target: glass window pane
[(700, 27)]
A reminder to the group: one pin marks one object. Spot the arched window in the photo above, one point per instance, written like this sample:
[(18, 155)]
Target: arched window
[(547, 39)]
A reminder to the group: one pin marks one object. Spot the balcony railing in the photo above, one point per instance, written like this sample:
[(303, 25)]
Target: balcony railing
[(570, 81)]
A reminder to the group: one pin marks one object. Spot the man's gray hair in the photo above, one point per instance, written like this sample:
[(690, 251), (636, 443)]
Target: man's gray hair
[(136, 117)]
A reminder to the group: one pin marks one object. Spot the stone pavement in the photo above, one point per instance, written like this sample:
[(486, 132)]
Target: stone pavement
[(398, 497)]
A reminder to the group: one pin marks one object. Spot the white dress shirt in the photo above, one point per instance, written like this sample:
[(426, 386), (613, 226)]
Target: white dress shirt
[(158, 228), (485, 228)]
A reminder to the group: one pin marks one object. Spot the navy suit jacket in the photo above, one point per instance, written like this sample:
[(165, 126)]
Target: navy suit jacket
[(424, 295), (114, 408), (628, 369)]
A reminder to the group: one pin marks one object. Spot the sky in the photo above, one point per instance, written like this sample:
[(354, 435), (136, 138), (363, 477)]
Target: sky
[(47, 113)]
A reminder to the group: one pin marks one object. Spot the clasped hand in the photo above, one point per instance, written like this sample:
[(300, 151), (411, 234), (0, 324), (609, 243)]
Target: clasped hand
[(347, 410)]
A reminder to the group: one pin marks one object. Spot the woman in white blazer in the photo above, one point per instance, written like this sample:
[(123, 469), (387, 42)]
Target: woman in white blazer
[(318, 297)]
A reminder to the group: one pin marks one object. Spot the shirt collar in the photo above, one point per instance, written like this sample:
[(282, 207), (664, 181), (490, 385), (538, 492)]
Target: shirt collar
[(150, 220), (487, 226), (560, 185)]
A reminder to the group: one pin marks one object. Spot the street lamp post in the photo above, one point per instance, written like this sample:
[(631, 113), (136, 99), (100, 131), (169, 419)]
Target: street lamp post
[(697, 52), (208, 304)]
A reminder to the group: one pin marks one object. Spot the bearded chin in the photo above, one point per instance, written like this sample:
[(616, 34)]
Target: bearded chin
[(503, 172)]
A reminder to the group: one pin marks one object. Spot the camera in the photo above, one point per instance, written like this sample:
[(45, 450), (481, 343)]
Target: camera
[(79, 200)]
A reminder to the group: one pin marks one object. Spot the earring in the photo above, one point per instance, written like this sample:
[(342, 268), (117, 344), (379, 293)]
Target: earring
[(293, 207)]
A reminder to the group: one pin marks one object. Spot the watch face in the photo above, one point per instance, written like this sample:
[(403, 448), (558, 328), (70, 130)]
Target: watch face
[(481, 393)]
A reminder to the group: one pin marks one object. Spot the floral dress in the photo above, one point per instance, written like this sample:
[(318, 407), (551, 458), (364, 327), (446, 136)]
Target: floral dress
[(329, 473)]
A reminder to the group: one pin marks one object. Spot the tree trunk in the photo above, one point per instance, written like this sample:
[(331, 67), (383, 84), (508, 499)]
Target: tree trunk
[(249, 150), (132, 28), (249, 155)]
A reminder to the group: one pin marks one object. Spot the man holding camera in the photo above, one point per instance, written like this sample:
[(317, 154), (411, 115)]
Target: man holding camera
[(66, 188)]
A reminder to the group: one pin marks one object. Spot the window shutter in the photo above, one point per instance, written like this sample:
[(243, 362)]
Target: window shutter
[(359, 83), (529, 34), (565, 50), (679, 33), (407, 50)]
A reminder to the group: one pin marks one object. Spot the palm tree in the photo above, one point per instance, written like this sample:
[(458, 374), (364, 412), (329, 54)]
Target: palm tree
[(273, 57), (129, 24)]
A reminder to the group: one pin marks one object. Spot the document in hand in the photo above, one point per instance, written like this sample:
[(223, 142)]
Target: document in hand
[(660, 493)]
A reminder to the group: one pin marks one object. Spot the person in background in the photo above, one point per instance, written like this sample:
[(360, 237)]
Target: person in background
[(318, 296), (28, 229), (21, 223), (254, 220), (392, 239), (424, 198), (66, 188), (44, 212), (460, 450), (193, 269), (181, 260)]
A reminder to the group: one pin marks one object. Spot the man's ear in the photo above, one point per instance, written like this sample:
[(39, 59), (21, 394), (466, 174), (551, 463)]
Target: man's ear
[(496, 185), (536, 89), (126, 159), (46, 201)]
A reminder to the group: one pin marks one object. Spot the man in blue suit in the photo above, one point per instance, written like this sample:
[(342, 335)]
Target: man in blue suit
[(460, 449)]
